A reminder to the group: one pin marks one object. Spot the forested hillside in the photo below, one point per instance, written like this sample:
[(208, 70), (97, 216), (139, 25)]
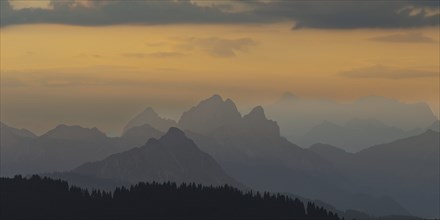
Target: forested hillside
[(45, 198)]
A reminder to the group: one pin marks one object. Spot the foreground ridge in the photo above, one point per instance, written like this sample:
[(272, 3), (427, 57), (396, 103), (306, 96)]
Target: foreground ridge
[(45, 198)]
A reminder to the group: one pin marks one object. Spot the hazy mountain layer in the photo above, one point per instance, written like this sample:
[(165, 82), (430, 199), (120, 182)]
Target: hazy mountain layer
[(173, 157), (18, 132), (64, 148), (252, 151), (297, 115), (406, 169), (249, 148), (150, 117), (355, 135)]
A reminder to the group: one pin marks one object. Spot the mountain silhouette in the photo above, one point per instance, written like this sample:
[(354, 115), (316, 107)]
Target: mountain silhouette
[(252, 151), (406, 169), (150, 117), (330, 152), (65, 147), (17, 132), (173, 157), (297, 116), (355, 135), (60, 149), (138, 136), (14, 144), (210, 114), (74, 132)]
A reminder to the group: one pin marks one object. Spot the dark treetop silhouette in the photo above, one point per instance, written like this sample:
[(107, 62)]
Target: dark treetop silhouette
[(45, 198)]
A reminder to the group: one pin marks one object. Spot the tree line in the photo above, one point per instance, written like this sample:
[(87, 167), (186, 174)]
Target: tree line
[(45, 198)]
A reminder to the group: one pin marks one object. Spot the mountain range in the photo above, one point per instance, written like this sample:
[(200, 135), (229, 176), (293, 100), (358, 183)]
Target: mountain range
[(252, 151), (150, 117), (297, 115), (173, 157), (355, 135), (407, 170), (214, 144), (64, 147)]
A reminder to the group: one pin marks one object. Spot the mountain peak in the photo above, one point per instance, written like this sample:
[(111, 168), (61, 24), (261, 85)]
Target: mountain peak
[(257, 122), (256, 113), (149, 116), (214, 99), (210, 114), (175, 132)]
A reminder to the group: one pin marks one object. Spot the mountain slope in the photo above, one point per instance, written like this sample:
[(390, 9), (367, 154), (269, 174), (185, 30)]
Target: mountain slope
[(407, 169), (209, 115), (60, 149), (18, 132), (252, 151), (298, 115), (355, 135), (137, 136), (150, 117), (173, 157)]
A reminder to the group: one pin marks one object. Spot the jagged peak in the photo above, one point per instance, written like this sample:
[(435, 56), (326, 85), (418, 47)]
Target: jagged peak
[(214, 98), (174, 132), (152, 141), (256, 112)]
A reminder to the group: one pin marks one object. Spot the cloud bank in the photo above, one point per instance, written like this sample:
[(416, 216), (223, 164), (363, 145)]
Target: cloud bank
[(304, 14)]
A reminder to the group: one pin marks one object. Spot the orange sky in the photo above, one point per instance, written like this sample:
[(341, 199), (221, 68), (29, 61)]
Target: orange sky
[(54, 74)]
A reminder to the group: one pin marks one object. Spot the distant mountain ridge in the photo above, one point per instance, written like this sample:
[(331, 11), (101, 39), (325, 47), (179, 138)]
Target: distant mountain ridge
[(173, 157), (248, 148), (64, 148), (252, 151), (210, 114), (298, 115), (355, 135), (407, 169), (150, 117), (18, 132), (74, 132)]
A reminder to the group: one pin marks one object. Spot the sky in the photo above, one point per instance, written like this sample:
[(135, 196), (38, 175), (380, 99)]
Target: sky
[(98, 63)]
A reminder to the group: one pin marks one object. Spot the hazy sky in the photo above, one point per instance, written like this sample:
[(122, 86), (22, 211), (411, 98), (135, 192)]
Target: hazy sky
[(97, 63)]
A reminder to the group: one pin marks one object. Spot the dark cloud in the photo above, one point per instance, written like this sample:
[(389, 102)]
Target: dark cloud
[(120, 12), (353, 14), (347, 14), (218, 47), (404, 38), (385, 72)]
